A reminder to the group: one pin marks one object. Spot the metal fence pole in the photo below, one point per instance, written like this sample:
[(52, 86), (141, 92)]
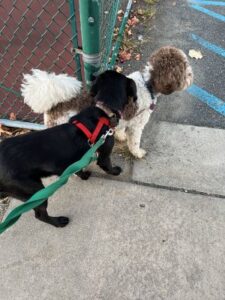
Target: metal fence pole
[(90, 33), (74, 37)]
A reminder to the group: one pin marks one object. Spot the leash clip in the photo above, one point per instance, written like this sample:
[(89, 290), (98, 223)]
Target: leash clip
[(110, 132)]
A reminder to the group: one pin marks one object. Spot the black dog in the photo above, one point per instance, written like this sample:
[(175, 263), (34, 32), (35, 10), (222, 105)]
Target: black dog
[(26, 159)]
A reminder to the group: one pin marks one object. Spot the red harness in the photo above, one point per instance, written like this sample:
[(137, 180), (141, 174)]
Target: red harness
[(92, 136)]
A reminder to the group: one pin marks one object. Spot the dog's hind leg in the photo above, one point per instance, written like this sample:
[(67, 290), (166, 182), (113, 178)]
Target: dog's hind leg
[(84, 175), (24, 189), (42, 214)]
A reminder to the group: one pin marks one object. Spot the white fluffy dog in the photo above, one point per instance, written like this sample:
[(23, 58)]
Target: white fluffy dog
[(60, 96)]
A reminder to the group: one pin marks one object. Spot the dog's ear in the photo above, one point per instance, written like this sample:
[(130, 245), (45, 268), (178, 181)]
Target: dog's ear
[(95, 86), (131, 89), (94, 89)]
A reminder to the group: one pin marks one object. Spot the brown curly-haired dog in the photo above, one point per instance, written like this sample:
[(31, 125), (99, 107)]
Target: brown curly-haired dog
[(168, 71), (59, 96)]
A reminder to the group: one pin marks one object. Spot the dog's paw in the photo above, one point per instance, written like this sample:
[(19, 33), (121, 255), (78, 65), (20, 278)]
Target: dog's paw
[(120, 136), (85, 175), (61, 221), (116, 171), (140, 153)]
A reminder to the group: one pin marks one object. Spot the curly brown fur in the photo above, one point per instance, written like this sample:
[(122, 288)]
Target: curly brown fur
[(77, 104), (170, 70), (130, 110), (81, 102)]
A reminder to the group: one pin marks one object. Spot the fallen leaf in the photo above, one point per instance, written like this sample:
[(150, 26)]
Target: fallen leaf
[(4, 132), (124, 55), (140, 11), (133, 21), (11, 131), (20, 131), (138, 56), (119, 18), (129, 32), (120, 12), (195, 54), (12, 116), (118, 69)]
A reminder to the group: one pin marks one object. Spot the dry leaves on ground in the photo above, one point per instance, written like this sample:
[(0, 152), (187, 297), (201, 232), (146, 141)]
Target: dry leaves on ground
[(130, 46), (124, 55), (133, 21), (118, 69), (10, 131), (12, 116)]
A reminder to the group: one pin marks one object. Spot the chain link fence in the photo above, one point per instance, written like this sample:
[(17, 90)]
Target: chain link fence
[(45, 34), (108, 16)]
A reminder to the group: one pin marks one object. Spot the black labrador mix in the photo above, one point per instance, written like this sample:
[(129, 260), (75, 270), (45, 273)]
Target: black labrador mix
[(26, 159)]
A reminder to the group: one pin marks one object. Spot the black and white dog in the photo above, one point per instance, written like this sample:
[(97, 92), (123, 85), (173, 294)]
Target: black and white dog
[(26, 159)]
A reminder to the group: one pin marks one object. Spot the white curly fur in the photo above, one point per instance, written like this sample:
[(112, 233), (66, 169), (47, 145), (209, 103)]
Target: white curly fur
[(42, 90), (131, 130)]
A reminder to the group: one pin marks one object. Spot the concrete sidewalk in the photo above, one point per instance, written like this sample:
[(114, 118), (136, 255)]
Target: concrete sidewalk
[(184, 157), (124, 241), (128, 240)]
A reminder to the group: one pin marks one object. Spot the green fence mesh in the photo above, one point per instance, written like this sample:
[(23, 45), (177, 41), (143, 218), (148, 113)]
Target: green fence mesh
[(33, 34), (108, 16), (43, 34)]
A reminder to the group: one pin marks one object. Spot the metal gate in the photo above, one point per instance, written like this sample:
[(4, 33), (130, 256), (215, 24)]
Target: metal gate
[(73, 36)]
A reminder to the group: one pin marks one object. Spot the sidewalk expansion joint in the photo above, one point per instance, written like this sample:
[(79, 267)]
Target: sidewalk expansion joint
[(157, 186)]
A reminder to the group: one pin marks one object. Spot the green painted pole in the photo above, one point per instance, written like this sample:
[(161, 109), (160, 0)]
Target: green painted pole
[(90, 34)]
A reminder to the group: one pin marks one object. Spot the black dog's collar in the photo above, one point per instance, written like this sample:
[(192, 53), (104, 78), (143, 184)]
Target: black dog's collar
[(113, 117)]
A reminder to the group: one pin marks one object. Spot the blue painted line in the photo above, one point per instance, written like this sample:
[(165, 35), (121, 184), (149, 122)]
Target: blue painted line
[(212, 101), (212, 47), (211, 3), (208, 12)]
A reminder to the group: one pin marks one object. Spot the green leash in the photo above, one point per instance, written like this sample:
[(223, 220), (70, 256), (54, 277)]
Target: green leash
[(39, 197)]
